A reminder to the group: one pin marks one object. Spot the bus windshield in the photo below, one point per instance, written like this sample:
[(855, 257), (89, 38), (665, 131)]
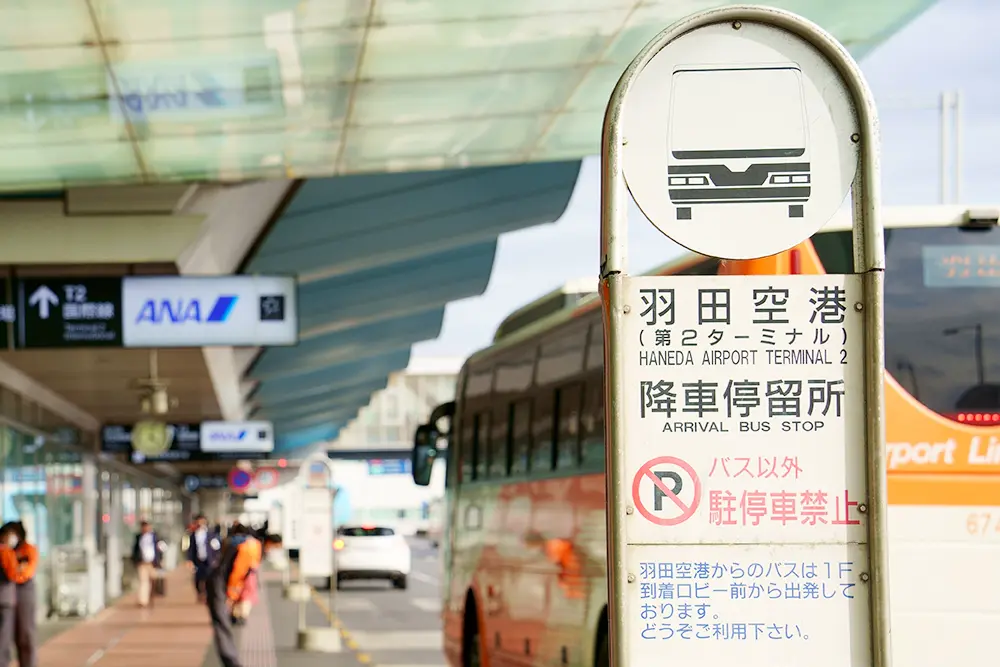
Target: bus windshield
[(942, 323), (726, 110)]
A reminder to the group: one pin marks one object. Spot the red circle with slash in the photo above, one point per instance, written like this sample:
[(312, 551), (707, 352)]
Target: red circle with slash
[(666, 497)]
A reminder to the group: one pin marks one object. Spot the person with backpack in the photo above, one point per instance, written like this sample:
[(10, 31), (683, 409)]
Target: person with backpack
[(240, 557)]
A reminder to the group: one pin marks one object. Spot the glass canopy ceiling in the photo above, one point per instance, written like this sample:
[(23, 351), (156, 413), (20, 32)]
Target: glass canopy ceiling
[(118, 91)]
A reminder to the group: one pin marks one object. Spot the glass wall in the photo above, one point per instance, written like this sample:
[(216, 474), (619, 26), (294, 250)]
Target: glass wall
[(42, 485)]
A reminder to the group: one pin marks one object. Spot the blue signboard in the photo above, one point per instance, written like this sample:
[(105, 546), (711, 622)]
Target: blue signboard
[(389, 467)]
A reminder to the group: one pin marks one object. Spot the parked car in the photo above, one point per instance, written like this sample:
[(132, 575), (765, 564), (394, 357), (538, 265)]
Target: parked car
[(371, 552)]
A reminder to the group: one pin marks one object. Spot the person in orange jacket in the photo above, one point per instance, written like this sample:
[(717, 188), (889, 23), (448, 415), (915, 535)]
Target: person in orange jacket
[(240, 556), (25, 614), (248, 588), (10, 571)]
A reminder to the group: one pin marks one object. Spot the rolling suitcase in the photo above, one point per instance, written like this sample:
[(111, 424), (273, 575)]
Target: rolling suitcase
[(159, 584)]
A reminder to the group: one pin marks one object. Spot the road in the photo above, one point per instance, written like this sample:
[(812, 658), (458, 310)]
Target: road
[(394, 628)]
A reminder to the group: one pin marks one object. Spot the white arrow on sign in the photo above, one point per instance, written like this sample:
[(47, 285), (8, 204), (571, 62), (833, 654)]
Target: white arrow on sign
[(43, 297)]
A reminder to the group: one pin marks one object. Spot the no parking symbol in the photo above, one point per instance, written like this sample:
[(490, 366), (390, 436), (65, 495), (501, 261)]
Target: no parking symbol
[(666, 491)]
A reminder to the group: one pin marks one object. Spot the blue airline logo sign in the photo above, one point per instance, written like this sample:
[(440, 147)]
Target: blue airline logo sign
[(225, 437), (180, 311)]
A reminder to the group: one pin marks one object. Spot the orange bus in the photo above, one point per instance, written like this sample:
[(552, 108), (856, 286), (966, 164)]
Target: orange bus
[(524, 549)]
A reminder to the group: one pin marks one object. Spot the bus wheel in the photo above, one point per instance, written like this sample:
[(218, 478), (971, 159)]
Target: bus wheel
[(684, 213), (602, 651), (470, 635), (602, 657)]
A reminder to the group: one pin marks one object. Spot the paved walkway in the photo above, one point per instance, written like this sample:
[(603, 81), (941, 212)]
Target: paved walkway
[(175, 632)]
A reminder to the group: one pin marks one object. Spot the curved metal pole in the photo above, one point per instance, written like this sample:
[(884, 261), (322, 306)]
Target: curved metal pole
[(869, 259)]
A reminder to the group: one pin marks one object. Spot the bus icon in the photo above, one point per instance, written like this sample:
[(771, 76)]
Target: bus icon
[(738, 134)]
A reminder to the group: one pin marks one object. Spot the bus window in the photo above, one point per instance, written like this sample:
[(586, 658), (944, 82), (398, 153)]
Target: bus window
[(595, 346), (480, 448), (467, 451), (520, 437), (568, 428), (942, 285), (498, 457), (541, 432), (592, 423), (561, 356)]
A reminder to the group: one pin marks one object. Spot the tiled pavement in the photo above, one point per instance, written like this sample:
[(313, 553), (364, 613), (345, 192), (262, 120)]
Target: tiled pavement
[(381, 627)]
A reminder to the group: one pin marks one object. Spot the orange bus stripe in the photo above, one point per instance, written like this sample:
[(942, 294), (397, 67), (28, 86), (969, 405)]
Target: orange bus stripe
[(944, 490)]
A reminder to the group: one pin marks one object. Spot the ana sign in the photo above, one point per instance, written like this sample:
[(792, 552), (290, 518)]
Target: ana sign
[(746, 492), (179, 311), (243, 437)]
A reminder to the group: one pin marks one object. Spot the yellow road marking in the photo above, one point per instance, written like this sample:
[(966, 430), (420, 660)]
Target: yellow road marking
[(363, 658)]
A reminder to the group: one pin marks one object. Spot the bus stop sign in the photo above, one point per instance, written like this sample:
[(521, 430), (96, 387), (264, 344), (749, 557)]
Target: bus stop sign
[(739, 140), (745, 485)]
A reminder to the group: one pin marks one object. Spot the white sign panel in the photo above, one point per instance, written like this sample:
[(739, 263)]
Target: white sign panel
[(225, 437), (740, 141), (178, 311), (745, 465), (316, 535), (291, 526)]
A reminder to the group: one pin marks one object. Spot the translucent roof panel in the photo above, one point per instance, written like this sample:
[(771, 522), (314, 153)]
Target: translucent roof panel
[(117, 91)]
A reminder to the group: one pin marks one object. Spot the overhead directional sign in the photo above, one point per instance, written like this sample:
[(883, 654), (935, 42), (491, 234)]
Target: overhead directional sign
[(230, 310), (389, 467), (746, 486), (188, 442), (171, 311), (205, 482), (8, 314), (69, 312)]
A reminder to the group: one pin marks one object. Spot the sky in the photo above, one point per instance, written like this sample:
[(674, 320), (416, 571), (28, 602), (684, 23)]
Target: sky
[(952, 46)]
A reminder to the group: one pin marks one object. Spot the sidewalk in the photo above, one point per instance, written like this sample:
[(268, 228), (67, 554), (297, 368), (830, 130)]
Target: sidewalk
[(270, 636), (175, 632)]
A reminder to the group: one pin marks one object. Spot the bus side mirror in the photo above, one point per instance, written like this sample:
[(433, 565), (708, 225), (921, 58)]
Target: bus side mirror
[(424, 454)]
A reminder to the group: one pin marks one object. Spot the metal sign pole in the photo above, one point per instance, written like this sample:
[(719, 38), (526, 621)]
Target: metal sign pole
[(324, 639), (332, 597), (694, 65)]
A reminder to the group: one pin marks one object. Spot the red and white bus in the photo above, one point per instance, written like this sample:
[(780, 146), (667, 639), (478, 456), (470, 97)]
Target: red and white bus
[(524, 549)]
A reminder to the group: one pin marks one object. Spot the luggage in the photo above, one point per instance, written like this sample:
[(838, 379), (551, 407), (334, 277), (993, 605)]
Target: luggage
[(159, 584)]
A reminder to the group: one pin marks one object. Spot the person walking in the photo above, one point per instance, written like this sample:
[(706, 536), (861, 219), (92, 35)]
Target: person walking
[(249, 594), (203, 549), (25, 614), (146, 557), (225, 584)]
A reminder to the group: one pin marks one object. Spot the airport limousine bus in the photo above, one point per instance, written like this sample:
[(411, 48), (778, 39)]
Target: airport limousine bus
[(524, 551)]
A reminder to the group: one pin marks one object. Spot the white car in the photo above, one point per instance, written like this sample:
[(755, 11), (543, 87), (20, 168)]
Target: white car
[(371, 552)]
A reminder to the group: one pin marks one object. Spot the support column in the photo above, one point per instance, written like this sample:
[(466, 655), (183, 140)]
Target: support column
[(90, 504), (113, 546)]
